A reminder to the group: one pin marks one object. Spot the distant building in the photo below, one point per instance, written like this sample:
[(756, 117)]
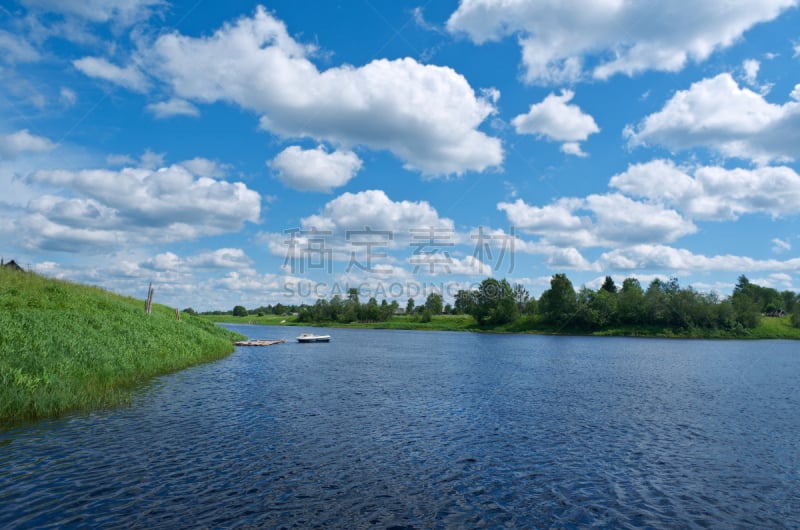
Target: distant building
[(11, 265)]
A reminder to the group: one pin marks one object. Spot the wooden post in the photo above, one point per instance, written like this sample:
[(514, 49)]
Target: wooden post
[(148, 304)]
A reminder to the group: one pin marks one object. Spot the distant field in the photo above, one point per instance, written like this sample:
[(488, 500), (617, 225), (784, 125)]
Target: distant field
[(775, 328), (443, 322), (266, 320), (65, 346)]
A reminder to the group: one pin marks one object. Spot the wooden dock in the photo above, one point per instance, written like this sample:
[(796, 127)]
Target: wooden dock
[(259, 342)]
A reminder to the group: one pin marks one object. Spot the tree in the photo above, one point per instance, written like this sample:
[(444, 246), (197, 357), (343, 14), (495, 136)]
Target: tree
[(630, 302), (530, 307), (352, 295), (350, 307), (387, 310), (492, 303), (766, 299), (484, 300), (464, 302), (558, 304), (306, 314), (321, 311), (655, 303), (789, 301), (335, 308), (521, 297), (189, 311), (426, 315), (505, 311), (434, 303), (609, 286), (605, 305), (239, 311), (370, 311), (724, 315), (410, 306), (746, 309), (584, 317)]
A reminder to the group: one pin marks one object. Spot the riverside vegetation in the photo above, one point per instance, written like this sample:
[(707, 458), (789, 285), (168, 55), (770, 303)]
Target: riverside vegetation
[(663, 309), (65, 346)]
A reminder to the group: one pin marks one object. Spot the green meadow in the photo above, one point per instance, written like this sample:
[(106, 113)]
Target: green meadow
[(66, 347)]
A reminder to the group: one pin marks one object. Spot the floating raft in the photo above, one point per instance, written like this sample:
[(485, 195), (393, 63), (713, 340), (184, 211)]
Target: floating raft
[(258, 342)]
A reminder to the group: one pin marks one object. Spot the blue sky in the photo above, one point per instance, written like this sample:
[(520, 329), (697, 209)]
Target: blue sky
[(262, 153)]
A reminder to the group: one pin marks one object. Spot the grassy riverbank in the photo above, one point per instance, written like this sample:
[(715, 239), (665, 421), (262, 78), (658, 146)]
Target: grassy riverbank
[(767, 328), (65, 346)]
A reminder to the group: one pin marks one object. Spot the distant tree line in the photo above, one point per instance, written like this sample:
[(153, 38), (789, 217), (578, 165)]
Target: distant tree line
[(347, 310), (241, 311), (663, 304)]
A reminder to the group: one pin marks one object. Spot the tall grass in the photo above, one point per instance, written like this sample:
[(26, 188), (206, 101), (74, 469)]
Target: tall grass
[(66, 346)]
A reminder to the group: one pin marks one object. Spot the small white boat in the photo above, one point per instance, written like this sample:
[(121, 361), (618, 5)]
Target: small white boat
[(310, 337)]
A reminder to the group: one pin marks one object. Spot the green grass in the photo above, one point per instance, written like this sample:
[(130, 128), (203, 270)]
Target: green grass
[(768, 328), (66, 347), (775, 328), (265, 320)]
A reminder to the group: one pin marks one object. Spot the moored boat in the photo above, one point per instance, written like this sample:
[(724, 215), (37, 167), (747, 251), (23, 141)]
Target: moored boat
[(310, 337)]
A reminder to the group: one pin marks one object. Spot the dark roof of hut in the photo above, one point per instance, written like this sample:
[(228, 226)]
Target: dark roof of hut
[(12, 265)]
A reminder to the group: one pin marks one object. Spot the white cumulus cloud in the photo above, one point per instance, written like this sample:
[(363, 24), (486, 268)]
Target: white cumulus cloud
[(714, 193), (426, 115), (16, 49), (365, 230), (780, 245), (795, 95), (315, 169), (664, 257), (557, 38), (555, 119), (120, 11), (565, 258), (221, 258), (598, 220), (67, 97), (374, 209), (718, 114), (130, 77), (101, 208), (751, 68), (11, 145), (573, 148), (173, 107)]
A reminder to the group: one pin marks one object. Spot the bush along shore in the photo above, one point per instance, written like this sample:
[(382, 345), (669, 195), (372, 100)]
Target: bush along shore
[(67, 347)]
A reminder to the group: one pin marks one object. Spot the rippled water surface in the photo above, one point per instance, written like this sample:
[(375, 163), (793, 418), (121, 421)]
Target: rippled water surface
[(431, 430)]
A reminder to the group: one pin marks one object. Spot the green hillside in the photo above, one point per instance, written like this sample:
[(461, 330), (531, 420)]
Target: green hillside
[(65, 346)]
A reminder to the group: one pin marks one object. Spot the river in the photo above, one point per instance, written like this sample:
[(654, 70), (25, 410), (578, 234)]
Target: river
[(414, 429)]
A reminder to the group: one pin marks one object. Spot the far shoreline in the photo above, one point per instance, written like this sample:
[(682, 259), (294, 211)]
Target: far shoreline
[(769, 328)]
